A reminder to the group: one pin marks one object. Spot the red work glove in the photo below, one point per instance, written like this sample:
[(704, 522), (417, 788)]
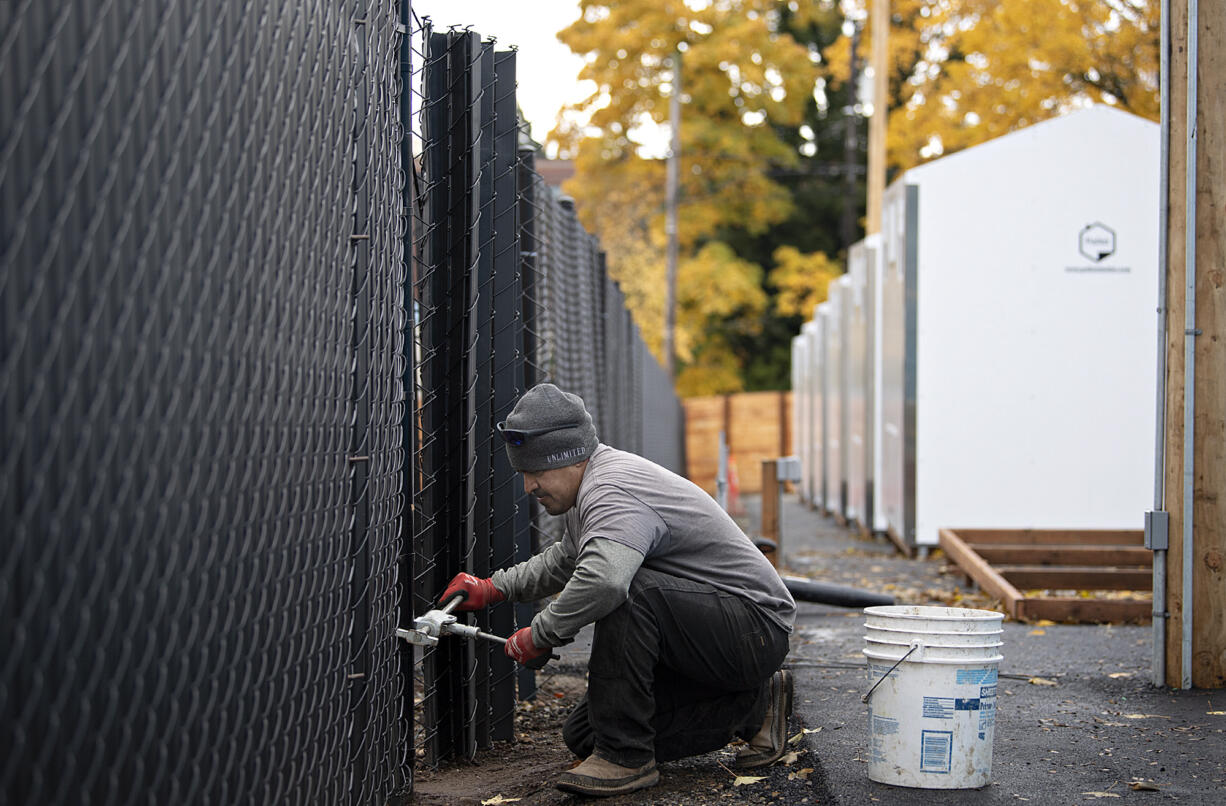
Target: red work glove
[(478, 593), (522, 649)]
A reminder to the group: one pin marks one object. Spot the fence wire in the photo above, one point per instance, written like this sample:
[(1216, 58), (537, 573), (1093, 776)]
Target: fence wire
[(270, 275), (507, 290), (201, 251)]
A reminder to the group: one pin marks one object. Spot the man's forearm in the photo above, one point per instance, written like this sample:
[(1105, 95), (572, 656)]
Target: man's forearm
[(600, 583), (542, 575)]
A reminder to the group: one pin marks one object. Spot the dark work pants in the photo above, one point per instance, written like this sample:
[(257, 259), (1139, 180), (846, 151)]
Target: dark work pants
[(677, 670)]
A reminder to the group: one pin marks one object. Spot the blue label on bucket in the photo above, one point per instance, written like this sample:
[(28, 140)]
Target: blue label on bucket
[(881, 726), (975, 677), (987, 716), (884, 726), (987, 692), (936, 750), (938, 708), (961, 704)]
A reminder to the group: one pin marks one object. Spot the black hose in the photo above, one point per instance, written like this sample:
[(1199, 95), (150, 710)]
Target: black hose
[(808, 590)]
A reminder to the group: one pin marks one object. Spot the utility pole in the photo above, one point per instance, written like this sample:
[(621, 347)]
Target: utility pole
[(851, 137), (671, 190), (877, 123)]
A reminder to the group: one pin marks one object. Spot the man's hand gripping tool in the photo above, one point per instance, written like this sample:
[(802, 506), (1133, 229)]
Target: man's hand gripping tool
[(427, 629)]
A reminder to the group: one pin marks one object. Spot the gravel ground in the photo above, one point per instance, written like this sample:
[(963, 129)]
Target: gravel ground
[(1077, 720), (525, 769)]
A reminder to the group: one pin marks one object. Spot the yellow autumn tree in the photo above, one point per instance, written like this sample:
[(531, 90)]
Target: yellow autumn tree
[(740, 74), (802, 279), (962, 72), (713, 284)]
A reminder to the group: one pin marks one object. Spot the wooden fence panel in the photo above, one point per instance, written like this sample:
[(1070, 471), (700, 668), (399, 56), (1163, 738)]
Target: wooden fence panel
[(704, 417), (757, 426)]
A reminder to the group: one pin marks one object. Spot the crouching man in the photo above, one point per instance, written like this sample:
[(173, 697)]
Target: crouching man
[(691, 621)]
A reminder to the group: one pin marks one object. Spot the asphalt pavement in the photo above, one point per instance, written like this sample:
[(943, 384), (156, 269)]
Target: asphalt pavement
[(1077, 718)]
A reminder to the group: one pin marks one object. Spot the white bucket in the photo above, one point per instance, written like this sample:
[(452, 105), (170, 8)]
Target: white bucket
[(932, 717), (923, 652), (905, 637)]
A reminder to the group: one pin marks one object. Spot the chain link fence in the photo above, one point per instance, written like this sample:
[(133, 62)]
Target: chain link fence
[(201, 247), (269, 274), (507, 291)]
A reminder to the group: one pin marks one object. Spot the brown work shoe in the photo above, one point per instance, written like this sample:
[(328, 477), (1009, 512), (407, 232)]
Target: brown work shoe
[(598, 777), (770, 742)]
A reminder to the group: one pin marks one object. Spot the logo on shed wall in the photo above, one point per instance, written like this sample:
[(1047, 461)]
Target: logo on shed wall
[(1096, 241)]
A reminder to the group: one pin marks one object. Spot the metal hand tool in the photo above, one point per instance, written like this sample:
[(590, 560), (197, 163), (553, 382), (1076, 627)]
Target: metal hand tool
[(427, 629)]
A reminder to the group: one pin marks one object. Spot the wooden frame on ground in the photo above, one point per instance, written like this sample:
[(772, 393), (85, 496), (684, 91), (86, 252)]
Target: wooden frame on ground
[(1006, 561)]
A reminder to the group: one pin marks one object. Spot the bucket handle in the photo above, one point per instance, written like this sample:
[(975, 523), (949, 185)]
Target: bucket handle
[(914, 646)]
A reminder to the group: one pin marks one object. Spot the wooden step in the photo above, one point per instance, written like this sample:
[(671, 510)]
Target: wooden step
[(1089, 611), (1019, 554), (1068, 537), (1073, 577)]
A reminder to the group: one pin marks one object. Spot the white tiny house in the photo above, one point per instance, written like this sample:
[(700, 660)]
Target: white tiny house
[(834, 399), (1017, 313)]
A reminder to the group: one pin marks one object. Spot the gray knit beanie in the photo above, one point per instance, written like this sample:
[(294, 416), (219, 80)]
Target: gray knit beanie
[(568, 435)]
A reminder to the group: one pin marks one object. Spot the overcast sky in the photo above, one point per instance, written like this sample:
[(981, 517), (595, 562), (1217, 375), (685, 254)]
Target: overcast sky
[(547, 70)]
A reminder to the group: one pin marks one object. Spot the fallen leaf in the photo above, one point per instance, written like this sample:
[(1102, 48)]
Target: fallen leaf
[(1101, 794), (1216, 713), (803, 733), (1037, 632), (1042, 681), (1118, 675), (1045, 622), (494, 801), (1144, 716), (1142, 786), (800, 775), (746, 780), (790, 758)]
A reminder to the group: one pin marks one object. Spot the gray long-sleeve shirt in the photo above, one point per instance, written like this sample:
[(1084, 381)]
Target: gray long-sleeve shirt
[(629, 513)]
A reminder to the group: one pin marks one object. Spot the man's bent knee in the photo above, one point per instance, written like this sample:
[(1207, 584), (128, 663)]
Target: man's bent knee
[(577, 732)]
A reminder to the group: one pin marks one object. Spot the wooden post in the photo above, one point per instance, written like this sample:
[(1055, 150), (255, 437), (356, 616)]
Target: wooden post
[(770, 508), (728, 421), (1207, 506), (785, 432)]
